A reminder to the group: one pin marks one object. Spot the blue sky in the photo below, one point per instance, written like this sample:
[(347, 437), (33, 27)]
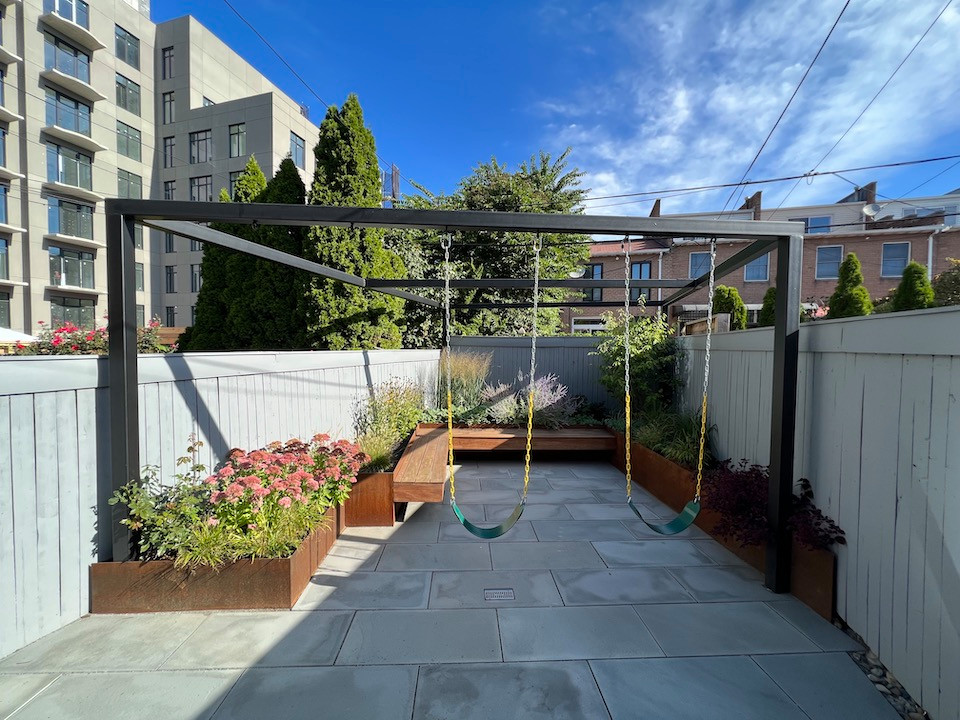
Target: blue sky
[(648, 94)]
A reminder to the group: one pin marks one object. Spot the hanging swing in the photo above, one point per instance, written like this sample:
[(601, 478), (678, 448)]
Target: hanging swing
[(488, 533), (690, 511)]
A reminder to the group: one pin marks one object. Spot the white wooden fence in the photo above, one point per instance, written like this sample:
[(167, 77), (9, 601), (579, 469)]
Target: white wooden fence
[(55, 449), (878, 435)]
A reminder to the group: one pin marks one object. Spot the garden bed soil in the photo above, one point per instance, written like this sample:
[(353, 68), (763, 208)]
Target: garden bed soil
[(248, 584), (813, 571)]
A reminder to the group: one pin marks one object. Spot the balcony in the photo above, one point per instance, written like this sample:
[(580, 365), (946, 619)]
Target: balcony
[(9, 116), (7, 57), (61, 239), (74, 85), (8, 174), (74, 289), (72, 31), (84, 142), (8, 228), (72, 191)]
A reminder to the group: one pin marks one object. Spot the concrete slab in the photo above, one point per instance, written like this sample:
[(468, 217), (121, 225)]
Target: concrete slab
[(722, 688), (249, 639), (619, 587), (455, 532), (572, 633), (384, 693), (827, 686), (560, 530), (722, 584), (498, 513), (600, 511), (439, 512), (824, 634), (584, 483), (741, 628), (365, 591), (453, 556), (533, 691), (503, 482), (421, 532), (718, 553), (540, 494), (595, 470), (531, 588), (639, 553), (132, 696), (352, 556), (486, 497), (549, 556), (107, 642), (619, 495), (16, 690), (402, 637)]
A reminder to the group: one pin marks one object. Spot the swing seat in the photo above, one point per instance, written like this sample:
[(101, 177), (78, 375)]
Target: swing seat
[(680, 523), (491, 532)]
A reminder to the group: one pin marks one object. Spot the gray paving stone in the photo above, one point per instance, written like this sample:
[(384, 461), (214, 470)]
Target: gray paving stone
[(365, 590), (640, 531), (242, 640), (352, 556), (544, 555), (532, 588), (595, 470), (498, 513), (502, 482), (619, 495), (107, 642), (581, 483), (600, 511), (403, 637), (539, 494), (619, 587), (741, 628), (455, 532), (421, 532), (722, 584), (722, 688), (572, 633), (534, 691), (559, 530), (638, 553), (15, 690), (718, 553), (439, 512), (383, 693), (487, 497), (826, 635), (131, 696), (452, 556), (827, 686)]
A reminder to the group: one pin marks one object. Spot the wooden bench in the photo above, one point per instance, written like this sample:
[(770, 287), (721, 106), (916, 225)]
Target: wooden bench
[(422, 469)]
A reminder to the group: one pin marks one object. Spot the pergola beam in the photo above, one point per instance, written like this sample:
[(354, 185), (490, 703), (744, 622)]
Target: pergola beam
[(525, 283), (750, 253)]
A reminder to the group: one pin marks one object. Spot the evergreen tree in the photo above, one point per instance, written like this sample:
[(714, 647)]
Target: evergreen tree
[(727, 300), (946, 286), (914, 291), (768, 313), (340, 316), (851, 298)]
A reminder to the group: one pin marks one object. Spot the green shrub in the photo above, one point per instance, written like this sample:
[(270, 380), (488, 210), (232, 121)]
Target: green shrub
[(946, 286), (385, 419), (851, 298), (674, 435), (914, 291), (768, 313), (727, 300), (468, 377)]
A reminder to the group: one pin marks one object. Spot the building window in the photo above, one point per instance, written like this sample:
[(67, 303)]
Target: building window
[(168, 245), (201, 188), (201, 146), (196, 282), (79, 311), (949, 213), (238, 141), (588, 325), (69, 167), (65, 217), (4, 190), (67, 113), (169, 189), (195, 246), (829, 258), (138, 236), (297, 150), (62, 56), (76, 11), (73, 268), (129, 185), (594, 271), (170, 278), (169, 148), (171, 315), (141, 316), (4, 261), (757, 270), (193, 314), (128, 141), (169, 108), (894, 259), (128, 47), (4, 309), (234, 176), (640, 271), (128, 94), (699, 264), (166, 61), (811, 225), (3, 147), (138, 276)]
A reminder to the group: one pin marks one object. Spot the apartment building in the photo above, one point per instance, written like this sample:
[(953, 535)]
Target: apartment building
[(924, 229), (97, 101)]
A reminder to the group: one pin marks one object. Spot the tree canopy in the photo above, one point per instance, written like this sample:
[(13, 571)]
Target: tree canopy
[(914, 291), (851, 298)]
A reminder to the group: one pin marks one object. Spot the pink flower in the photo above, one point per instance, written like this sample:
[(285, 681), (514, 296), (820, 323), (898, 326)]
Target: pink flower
[(225, 471), (285, 502), (313, 484), (57, 340), (217, 496), (212, 521), (252, 526), (211, 480)]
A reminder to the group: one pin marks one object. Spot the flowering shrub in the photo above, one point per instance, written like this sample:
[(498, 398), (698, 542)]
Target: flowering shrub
[(257, 504), (68, 339)]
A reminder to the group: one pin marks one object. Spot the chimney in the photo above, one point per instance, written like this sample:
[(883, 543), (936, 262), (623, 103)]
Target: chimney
[(655, 211), (753, 203)]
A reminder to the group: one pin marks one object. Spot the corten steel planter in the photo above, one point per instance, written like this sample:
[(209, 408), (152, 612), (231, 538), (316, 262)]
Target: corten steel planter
[(813, 571), (371, 501), (249, 584)]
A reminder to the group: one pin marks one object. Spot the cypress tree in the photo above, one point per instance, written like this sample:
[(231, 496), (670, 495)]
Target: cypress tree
[(727, 300), (851, 298), (768, 313), (341, 316), (914, 291), (946, 286)]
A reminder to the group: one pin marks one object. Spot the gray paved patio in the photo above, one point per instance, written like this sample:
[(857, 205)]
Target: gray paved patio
[(606, 622)]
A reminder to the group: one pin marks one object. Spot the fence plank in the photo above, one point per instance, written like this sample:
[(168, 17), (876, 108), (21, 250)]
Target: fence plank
[(11, 628), (68, 464)]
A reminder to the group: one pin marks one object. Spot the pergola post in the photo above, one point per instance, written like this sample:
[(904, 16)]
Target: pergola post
[(786, 346)]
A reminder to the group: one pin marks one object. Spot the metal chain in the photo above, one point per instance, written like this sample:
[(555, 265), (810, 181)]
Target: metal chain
[(537, 247), (445, 243), (706, 367), (626, 364)]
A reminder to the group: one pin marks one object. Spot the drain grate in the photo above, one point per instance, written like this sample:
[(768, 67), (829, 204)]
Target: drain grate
[(499, 594)]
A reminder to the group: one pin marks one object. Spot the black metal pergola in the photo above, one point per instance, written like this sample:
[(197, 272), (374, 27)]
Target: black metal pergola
[(185, 218)]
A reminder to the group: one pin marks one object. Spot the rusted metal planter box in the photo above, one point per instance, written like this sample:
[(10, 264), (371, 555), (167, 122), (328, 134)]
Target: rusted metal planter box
[(249, 584), (371, 501)]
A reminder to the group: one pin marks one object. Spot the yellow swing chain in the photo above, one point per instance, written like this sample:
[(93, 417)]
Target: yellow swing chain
[(445, 242), (537, 247), (706, 367)]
